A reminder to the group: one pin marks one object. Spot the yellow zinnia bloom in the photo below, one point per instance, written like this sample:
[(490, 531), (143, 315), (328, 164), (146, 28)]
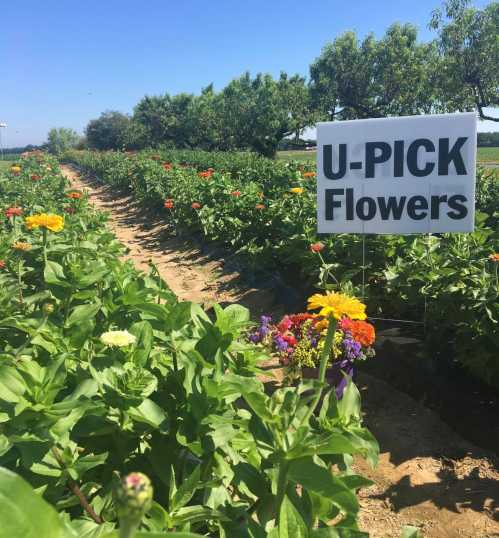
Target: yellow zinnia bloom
[(338, 305), (54, 223), (296, 190), (117, 338), (21, 245)]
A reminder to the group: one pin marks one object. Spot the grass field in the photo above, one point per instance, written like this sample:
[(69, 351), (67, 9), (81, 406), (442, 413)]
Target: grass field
[(5, 165), (485, 155)]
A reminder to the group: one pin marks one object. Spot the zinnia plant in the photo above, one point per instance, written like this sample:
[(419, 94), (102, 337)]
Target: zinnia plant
[(117, 338), (13, 212), (54, 223)]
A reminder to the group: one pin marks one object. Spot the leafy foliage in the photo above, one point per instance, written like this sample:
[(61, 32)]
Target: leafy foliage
[(246, 205), (177, 400)]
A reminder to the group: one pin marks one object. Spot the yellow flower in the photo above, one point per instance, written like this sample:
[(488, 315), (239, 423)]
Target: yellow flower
[(117, 338), (54, 223), (20, 245), (338, 305), (15, 169), (296, 190)]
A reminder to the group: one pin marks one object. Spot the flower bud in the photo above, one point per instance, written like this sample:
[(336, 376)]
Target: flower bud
[(48, 308), (132, 499)]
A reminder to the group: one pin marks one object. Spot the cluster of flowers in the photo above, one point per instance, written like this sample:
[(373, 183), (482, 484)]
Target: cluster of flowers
[(299, 339)]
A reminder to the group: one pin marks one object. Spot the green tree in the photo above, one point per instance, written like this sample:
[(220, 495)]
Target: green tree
[(258, 113), (60, 139), (468, 42), (375, 78), (107, 131), (165, 118)]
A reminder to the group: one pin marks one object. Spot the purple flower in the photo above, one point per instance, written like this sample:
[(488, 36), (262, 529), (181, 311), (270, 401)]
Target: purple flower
[(351, 348), (265, 320), (255, 338), (280, 343)]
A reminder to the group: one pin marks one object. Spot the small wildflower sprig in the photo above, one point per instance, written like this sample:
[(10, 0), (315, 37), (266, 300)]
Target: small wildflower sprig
[(132, 498)]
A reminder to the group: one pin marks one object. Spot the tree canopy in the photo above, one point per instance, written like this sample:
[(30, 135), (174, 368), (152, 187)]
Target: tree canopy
[(394, 75)]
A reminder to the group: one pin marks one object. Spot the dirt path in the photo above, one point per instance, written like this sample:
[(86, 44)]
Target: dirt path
[(428, 476)]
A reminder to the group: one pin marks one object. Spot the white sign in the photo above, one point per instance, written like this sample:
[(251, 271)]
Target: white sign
[(413, 174)]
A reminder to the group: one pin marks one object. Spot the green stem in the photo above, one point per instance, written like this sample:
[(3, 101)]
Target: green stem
[(127, 529), (326, 353), (45, 245), (282, 482), (20, 282)]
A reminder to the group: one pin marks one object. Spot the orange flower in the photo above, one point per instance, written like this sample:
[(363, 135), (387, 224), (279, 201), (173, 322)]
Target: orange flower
[(236, 194), (167, 166), (361, 331), (74, 195), (317, 247), (34, 177), (196, 205), (259, 206), (207, 173), (308, 174), (13, 212), (494, 257), (169, 203)]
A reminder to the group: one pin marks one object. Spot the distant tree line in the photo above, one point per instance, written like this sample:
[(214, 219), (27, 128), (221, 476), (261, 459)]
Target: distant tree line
[(395, 75), (488, 139)]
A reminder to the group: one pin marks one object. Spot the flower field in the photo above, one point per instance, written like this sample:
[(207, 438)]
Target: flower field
[(265, 211), (123, 409)]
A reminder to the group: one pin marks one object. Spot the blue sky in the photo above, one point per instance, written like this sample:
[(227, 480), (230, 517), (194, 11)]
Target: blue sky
[(62, 63)]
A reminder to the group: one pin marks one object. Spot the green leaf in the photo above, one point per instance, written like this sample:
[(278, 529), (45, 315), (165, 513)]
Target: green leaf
[(186, 490), (83, 313), (54, 274), (12, 384), (24, 514), (291, 524), (322, 482)]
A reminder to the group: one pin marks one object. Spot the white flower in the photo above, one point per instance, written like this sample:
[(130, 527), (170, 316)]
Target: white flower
[(117, 338)]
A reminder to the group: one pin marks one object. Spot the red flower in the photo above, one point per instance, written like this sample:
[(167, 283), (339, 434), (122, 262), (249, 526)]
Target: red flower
[(13, 212), (284, 325), (169, 203), (206, 174), (196, 205), (317, 247), (236, 194), (34, 177), (167, 166), (2, 264), (361, 331), (290, 339)]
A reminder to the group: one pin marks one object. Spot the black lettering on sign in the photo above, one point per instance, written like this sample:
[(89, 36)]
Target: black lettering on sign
[(416, 204), (446, 156), (373, 158), (412, 157), (394, 206), (435, 205), (456, 203), (327, 161), (331, 203), (360, 208), (350, 215), (398, 158)]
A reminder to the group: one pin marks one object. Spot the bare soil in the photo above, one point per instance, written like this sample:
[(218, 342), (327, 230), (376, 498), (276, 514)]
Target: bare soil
[(428, 475)]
